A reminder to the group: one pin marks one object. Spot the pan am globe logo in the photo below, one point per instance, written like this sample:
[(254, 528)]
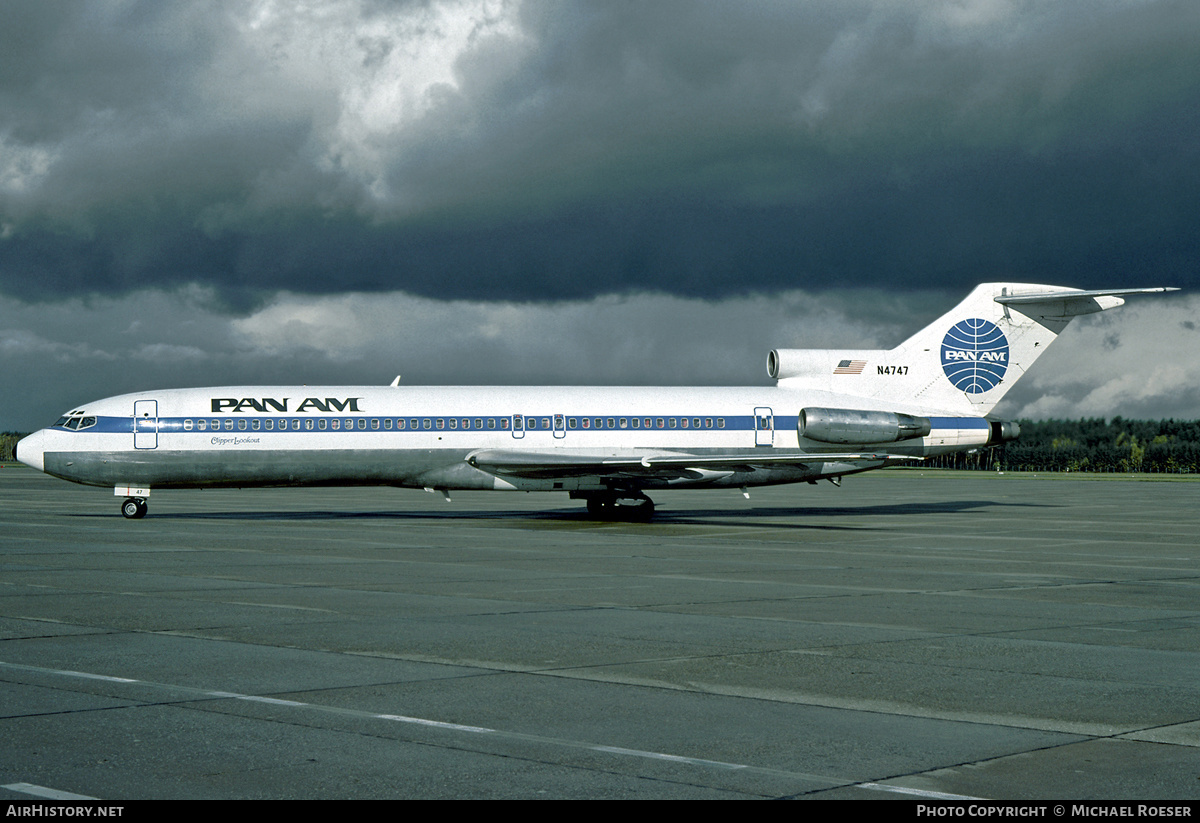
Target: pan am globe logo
[(975, 355)]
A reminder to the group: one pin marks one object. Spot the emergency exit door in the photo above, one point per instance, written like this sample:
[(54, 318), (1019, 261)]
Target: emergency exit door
[(764, 427)]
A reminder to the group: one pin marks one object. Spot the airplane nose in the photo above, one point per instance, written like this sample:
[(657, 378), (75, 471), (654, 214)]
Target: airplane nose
[(30, 450)]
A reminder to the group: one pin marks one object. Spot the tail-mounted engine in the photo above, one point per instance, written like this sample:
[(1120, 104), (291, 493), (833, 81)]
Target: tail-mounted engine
[(850, 426), (1001, 431)]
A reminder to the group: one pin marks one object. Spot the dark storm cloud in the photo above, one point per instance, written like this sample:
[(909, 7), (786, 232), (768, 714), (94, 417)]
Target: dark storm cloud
[(561, 150)]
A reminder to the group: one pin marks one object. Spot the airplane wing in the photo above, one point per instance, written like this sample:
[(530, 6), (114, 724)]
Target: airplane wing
[(546, 465)]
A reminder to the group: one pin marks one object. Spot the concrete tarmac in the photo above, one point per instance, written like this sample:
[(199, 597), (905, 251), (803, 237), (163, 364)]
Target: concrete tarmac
[(912, 635)]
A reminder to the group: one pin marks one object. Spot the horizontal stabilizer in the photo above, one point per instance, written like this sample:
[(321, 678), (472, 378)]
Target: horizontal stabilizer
[(1069, 303), (1045, 296)]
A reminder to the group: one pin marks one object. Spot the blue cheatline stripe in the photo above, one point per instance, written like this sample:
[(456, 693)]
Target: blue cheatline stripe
[(958, 422), (285, 424), (124, 425)]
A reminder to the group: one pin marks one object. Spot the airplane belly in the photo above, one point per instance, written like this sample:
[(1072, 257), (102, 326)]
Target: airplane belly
[(165, 469)]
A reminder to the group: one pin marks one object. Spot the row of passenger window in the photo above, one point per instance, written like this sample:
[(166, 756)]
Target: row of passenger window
[(517, 422)]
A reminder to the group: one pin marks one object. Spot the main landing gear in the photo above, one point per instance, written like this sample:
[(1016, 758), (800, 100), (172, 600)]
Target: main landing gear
[(134, 508), (631, 505)]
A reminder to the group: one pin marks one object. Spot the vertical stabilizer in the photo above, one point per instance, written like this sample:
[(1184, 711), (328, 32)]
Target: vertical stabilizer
[(965, 361)]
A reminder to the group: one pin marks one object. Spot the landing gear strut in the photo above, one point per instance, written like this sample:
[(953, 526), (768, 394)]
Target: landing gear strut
[(619, 505), (134, 508)]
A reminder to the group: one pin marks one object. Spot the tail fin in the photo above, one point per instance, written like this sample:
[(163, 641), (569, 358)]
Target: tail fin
[(964, 362)]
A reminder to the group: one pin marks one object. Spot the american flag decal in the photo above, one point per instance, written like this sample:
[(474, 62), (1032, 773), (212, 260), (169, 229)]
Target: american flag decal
[(850, 367)]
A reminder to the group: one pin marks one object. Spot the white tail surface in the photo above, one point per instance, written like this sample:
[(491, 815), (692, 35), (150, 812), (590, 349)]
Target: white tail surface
[(962, 363)]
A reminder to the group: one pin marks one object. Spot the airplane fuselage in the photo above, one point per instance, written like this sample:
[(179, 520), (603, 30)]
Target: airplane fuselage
[(423, 437)]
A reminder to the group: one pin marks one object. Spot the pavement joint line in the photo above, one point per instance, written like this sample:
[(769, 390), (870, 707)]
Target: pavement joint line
[(445, 726), (883, 787), (47, 793)]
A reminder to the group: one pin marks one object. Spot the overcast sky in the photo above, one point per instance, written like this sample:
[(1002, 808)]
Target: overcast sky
[(613, 192)]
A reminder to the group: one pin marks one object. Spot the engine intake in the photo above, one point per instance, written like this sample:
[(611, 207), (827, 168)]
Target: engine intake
[(851, 426)]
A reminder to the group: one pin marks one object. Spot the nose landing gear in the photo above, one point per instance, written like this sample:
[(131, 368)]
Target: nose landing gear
[(134, 508)]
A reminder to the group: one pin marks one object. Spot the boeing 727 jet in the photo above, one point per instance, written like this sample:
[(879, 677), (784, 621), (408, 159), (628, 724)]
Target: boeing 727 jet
[(832, 412)]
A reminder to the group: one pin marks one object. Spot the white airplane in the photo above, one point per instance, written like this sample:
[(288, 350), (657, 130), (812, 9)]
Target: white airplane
[(832, 412)]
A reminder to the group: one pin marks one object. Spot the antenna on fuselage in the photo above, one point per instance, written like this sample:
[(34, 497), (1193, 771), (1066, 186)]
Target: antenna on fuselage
[(395, 382)]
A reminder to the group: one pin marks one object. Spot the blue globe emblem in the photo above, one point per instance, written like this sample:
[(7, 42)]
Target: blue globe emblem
[(975, 355)]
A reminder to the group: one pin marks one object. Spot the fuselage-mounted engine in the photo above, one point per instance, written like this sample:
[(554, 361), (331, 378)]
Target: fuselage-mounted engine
[(854, 427)]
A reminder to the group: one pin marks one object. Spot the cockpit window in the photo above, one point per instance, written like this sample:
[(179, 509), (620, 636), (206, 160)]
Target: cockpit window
[(75, 423)]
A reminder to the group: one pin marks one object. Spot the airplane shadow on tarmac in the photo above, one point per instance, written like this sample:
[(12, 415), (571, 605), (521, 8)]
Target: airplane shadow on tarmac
[(856, 517)]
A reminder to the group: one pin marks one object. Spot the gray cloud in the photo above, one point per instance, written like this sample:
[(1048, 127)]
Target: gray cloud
[(63, 354), (1149, 374)]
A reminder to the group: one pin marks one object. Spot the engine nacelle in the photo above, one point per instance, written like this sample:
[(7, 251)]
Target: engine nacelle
[(1001, 431), (783, 363), (854, 427), (814, 363)]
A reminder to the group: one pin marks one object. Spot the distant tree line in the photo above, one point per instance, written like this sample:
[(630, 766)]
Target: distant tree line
[(8, 441), (1091, 445)]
